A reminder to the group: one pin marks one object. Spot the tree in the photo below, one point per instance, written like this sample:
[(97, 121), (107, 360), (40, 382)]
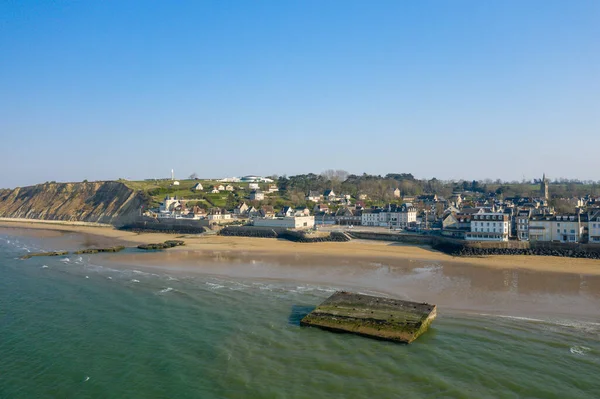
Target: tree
[(230, 202), (194, 176)]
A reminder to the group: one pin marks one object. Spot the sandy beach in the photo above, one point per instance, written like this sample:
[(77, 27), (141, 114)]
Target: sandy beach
[(209, 246)]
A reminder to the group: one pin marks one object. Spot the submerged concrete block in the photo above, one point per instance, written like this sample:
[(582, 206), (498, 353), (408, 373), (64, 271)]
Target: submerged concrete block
[(372, 316)]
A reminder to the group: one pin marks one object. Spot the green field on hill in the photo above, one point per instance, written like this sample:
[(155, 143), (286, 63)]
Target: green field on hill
[(157, 190)]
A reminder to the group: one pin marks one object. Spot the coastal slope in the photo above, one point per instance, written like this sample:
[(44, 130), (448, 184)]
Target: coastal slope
[(100, 202)]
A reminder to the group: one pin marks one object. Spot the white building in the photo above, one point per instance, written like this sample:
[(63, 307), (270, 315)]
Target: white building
[(257, 195), (198, 187), (489, 226), (253, 186), (402, 216), (559, 228), (288, 222), (229, 187), (594, 226), (374, 217)]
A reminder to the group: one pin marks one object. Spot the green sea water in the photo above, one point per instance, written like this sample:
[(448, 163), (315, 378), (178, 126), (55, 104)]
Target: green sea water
[(72, 329)]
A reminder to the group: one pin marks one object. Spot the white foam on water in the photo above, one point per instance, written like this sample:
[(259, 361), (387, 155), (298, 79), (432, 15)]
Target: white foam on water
[(580, 350), (168, 289), (109, 277), (44, 267), (135, 281), (87, 276), (513, 317), (214, 286), (65, 260), (87, 378)]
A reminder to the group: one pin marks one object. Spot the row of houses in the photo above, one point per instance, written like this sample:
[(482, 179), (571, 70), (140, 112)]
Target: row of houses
[(254, 187), (479, 224)]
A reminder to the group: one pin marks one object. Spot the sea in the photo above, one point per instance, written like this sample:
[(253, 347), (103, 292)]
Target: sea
[(71, 327)]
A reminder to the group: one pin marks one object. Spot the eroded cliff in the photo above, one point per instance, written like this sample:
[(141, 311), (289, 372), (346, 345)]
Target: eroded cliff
[(102, 202)]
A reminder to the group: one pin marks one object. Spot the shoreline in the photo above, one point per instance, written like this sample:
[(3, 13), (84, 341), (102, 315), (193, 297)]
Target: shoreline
[(199, 247)]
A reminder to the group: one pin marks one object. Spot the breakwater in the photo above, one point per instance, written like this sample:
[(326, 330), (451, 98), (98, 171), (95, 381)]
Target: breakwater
[(291, 235), (174, 226)]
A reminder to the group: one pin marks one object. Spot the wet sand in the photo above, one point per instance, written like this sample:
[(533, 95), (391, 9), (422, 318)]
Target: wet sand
[(373, 251), (524, 286)]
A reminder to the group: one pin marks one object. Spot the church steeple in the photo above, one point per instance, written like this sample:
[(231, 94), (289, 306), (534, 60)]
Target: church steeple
[(544, 188)]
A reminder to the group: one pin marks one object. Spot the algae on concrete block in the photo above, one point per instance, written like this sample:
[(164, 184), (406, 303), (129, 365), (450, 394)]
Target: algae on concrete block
[(371, 316)]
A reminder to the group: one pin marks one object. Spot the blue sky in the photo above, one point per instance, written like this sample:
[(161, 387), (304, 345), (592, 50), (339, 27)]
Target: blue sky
[(446, 89)]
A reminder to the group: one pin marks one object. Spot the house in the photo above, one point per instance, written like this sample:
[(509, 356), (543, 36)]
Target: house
[(267, 211), (329, 195), (198, 187), (273, 188), (456, 225), (402, 216), (286, 211), (314, 196), (522, 223), (220, 187), (241, 209), (253, 212), (489, 226), (455, 200), (169, 204), (229, 187), (321, 208), (395, 193), (197, 213), (557, 228), (257, 195), (215, 191), (253, 186), (348, 216), (363, 197), (594, 226), (302, 211), (374, 217), (218, 214), (175, 183)]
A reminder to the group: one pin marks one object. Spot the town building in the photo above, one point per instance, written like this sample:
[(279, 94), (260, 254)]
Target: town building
[(288, 222), (489, 226), (594, 226), (374, 217), (348, 216), (314, 196), (257, 195), (229, 187), (557, 228), (253, 186), (522, 223), (241, 209), (402, 216), (456, 225), (198, 187), (217, 214)]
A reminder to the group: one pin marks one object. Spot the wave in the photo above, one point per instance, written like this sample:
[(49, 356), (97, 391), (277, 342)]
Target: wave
[(580, 350)]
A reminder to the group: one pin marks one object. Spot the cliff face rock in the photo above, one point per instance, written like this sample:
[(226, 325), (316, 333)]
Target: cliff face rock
[(101, 202)]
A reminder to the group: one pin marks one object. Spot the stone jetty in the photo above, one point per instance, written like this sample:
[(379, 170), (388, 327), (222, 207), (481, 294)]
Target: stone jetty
[(372, 316), (162, 245)]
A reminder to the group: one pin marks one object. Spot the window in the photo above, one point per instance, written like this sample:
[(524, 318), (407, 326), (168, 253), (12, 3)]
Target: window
[(558, 231), (572, 231), (558, 224)]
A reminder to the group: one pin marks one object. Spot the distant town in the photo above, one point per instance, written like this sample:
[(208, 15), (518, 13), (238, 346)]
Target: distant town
[(540, 210)]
